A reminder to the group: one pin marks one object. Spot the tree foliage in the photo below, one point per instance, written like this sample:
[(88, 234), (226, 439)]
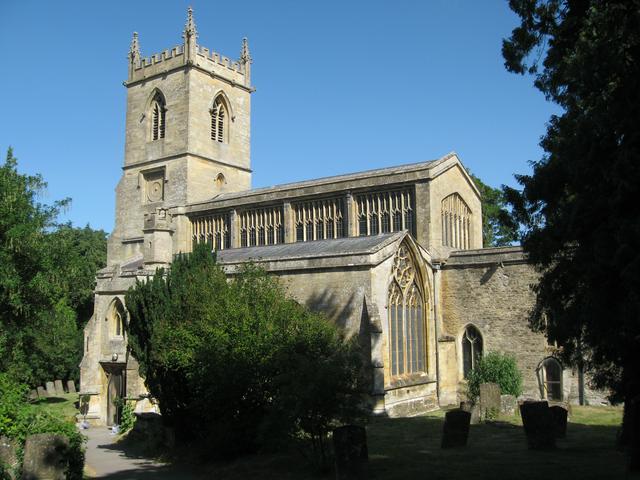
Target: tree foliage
[(46, 279), (497, 227), (235, 364), (579, 206)]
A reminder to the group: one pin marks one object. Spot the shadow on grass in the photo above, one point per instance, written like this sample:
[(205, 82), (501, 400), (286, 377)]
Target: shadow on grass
[(410, 448), (49, 400)]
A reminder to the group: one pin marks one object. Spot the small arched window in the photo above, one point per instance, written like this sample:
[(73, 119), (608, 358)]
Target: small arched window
[(471, 349), (158, 113), (219, 118), (116, 319), (551, 371)]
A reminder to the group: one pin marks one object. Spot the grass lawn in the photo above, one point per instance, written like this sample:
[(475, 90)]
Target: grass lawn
[(61, 406), (409, 448)]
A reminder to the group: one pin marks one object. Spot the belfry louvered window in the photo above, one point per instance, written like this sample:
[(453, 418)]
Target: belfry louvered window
[(218, 120), (384, 212), (212, 229), (263, 226), (319, 219), (158, 113), (456, 222), (406, 312)]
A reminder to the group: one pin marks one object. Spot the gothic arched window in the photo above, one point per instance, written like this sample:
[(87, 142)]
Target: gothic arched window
[(551, 371), (456, 222), (471, 349), (115, 319), (219, 120), (407, 327), (158, 111)]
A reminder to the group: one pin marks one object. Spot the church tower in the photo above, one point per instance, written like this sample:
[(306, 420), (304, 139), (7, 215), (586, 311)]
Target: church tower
[(187, 135)]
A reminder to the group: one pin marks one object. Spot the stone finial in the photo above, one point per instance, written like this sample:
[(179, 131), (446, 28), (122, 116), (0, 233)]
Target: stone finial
[(245, 56), (190, 26), (190, 36), (134, 49)]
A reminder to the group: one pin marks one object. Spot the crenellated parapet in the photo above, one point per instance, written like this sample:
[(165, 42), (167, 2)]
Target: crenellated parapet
[(189, 55)]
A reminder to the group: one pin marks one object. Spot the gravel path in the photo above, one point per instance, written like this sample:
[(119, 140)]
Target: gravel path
[(107, 459)]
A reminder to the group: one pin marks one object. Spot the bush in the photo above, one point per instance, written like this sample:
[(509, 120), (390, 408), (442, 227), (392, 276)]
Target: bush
[(236, 365), (19, 419), (497, 368)]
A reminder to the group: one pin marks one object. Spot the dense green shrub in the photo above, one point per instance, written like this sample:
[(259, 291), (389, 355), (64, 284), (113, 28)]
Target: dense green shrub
[(127, 415), (236, 365), (19, 419), (497, 368)]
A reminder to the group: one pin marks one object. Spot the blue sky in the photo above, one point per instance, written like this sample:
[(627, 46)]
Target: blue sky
[(342, 86)]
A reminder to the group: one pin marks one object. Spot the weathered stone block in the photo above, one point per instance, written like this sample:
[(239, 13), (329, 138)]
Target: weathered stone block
[(559, 415), (538, 424), (455, 430), (490, 403), (473, 409), (42, 393), (45, 457), (59, 387), (51, 389), (33, 395), (9, 455), (351, 454), (71, 386), (508, 404)]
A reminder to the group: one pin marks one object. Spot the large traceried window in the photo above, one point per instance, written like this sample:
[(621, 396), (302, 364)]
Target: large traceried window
[(212, 229), (319, 220), (471, 349), (407, 326), (384, 212), (262, 226), (456, 222), (158, 114), (219, 119)]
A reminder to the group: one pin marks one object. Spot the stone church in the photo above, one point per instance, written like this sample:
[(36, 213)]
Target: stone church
[(393, 255)]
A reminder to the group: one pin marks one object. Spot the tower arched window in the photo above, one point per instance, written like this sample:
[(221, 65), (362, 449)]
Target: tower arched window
[(158, 116), (116, 319), (219, 120), (551, 372), (407, 326), (471, 349)]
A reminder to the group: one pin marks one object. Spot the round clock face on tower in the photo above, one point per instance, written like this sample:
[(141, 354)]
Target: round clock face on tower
[(154, 191)]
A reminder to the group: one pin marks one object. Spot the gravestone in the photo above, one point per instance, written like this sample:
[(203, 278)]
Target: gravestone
[(71, 386), (508, 404), (538, 424), (51, 389), (45, 457), (473, 409), (351, 454), (489, 400), (9, 455), (33, 395), (59, 387), (559, 415), (632, 427), (42, 393), (455, 431)]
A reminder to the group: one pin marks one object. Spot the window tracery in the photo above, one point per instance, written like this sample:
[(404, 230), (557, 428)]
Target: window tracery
[(456, 222), (384, 212), (471, 349), (319, 219), (158, 116), (407, 327), (219, 117), (212, 229), (262, 226)]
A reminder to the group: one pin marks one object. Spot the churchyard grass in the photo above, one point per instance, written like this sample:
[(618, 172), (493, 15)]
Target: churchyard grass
[(60, 406), (409, 448)]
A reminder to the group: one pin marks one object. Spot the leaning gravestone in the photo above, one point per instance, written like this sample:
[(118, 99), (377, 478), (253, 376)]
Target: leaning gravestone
[(489, 400), (508, 404), (351, 454), (71, 386), (9, 455), (45, 457), (42, 393), (455, 431), (473, 409), (538, 424), (559, 415), (51, 389), (59, 387)]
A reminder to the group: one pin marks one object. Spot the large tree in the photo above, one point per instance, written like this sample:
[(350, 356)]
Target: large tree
[(497, 228), (46, 278), (579, 206)]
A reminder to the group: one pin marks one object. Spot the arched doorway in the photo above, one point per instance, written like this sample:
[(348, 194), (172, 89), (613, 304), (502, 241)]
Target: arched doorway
[(115, 391)]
